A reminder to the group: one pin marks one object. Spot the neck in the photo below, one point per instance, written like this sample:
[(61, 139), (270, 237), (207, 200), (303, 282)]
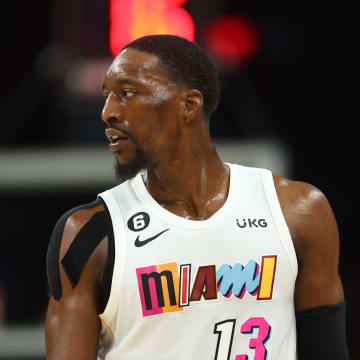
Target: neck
[(193, 184)]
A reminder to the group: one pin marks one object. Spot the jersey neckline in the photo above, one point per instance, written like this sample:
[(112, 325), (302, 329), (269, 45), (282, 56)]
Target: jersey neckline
[(155, 208)]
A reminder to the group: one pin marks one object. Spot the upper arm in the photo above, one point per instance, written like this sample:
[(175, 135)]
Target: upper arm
[(315, 236), (72, 323)]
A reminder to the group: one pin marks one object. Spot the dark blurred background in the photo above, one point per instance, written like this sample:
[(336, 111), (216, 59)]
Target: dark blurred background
[(289, 77)]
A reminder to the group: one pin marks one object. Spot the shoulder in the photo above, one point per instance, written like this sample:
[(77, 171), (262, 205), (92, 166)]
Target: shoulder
[(78, 228), (298, 196), (307, 212), (79, 215), (76, 219)]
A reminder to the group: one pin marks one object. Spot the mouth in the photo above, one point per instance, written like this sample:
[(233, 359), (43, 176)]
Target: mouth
[(116, 138)]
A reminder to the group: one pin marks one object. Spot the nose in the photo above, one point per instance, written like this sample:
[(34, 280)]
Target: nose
[(111, 110)]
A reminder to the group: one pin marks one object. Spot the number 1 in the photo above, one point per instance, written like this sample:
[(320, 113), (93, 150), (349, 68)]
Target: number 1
[(225, 330)]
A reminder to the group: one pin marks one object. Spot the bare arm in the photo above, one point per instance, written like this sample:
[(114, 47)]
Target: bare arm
[(320, 316), (72, 324), (315, 235)]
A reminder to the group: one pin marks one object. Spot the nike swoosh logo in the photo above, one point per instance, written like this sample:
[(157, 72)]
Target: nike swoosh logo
[(139, 243)]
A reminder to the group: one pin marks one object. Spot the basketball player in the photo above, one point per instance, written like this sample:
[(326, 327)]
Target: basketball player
[(190, 258)]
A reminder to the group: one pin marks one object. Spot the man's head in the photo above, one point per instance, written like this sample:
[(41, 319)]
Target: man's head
[(185, 63), (154, 89)]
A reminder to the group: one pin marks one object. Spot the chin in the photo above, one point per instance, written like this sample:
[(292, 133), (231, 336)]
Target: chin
[(126, 169), (122, 160)]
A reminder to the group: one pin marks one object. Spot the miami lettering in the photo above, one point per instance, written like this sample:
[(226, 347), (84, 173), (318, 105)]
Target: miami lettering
[(162, 289), (238, 279), (158, 288)]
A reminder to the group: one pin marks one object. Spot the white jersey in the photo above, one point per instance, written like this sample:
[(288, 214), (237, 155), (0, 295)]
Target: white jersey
[(216, 289)]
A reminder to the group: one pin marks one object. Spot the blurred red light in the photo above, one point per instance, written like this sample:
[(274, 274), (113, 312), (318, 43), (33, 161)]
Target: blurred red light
[(175, 2), (233, 39), (130, 19)]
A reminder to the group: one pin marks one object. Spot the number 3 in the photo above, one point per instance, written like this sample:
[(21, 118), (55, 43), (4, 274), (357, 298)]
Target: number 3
[(225, 331)]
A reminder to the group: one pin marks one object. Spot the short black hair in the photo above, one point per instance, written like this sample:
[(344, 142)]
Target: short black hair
[(185, 63)]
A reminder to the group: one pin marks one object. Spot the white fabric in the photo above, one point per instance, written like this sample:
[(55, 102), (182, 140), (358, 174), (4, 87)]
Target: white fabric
[(138, 325)]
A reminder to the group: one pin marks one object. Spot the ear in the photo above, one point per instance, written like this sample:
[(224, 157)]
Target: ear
[(193, 105)]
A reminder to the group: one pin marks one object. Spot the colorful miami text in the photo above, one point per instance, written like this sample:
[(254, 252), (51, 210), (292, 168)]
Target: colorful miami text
[(166, 288)]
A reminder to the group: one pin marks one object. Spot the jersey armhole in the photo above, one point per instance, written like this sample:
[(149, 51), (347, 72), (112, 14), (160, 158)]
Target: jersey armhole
[(119, 256), (279, 219), (109, 266)]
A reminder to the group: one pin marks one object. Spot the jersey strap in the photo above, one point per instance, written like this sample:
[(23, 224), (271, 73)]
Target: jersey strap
[(119, 256), (279, 219)]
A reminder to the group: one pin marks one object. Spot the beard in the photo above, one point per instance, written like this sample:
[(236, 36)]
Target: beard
[(130, 170)]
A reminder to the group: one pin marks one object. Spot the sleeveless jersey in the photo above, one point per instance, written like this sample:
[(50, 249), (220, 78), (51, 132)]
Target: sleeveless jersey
[(216, 289)]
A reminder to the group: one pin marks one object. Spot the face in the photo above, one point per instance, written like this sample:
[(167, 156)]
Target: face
[(141, 111)]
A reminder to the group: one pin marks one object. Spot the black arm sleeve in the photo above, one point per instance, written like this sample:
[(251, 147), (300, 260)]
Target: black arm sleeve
[(321, 333)]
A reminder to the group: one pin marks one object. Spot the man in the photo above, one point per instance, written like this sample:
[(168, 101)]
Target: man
[(190, 258)]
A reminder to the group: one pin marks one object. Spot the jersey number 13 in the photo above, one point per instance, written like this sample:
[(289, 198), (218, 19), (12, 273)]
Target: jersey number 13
[(225, 331)]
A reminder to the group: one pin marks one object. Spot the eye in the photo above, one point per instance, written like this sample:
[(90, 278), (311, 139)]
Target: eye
[(127, 93)]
